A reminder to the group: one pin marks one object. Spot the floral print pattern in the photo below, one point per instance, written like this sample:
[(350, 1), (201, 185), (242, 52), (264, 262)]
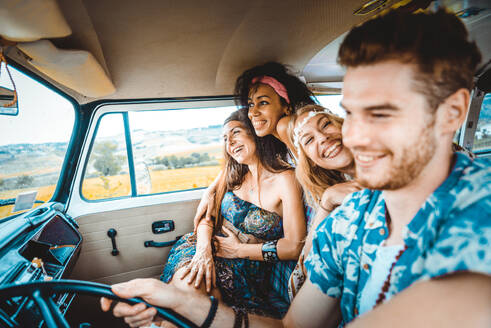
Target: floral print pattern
[(244, 284), (451, 232)]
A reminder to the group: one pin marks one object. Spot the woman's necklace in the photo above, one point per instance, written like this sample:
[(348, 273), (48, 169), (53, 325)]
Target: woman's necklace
[(252, 188), (385, 287)]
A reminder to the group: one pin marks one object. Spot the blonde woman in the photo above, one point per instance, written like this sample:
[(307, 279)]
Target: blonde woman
[(324, 169)]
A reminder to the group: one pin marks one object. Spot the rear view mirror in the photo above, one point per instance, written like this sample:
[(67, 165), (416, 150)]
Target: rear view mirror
[(8, 102), (8, 97)]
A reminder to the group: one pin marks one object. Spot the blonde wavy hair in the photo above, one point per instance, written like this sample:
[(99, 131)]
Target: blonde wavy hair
[(313, 178)]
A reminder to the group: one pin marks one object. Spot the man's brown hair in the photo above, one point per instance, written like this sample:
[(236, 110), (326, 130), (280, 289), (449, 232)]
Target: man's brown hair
[(436, 43)]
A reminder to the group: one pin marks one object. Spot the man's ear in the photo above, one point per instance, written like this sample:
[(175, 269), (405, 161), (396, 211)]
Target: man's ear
[(453, 111)]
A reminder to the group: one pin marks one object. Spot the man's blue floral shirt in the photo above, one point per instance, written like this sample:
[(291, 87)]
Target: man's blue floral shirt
[(451, 232)]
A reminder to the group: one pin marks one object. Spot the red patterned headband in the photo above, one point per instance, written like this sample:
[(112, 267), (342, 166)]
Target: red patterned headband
[(273, 83)]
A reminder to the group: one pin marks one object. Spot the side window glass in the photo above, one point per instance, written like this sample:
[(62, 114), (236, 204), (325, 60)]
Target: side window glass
[(106, 172), (33, 145), (177, 149), (332, 102), (482, 137), (171, 150)]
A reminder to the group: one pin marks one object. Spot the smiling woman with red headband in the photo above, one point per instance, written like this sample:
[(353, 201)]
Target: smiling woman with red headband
[(271, 94)]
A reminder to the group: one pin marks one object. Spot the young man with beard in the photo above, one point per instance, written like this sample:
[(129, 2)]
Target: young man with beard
[(414, 248)]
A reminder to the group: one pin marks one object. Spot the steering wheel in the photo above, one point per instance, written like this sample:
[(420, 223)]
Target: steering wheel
[(41, 291)]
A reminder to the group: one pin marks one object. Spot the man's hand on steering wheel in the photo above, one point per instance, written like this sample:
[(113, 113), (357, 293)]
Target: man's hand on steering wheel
[(152, 291), (160, 294)]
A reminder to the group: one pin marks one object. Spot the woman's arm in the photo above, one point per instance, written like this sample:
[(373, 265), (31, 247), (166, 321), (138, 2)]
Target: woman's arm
[(283, 131), (202, 264), (294, 228), (320, 215), (204, 232), (205, 207)]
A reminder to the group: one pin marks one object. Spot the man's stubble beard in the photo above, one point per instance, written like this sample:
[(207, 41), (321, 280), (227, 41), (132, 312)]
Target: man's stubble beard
[(409, 165)]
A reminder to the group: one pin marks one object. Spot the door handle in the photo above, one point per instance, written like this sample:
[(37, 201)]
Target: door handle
[(112, 234), (162, 226), (151, 243)]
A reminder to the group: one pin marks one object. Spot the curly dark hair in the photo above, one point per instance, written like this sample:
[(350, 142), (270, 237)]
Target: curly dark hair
[(298, 93), (437, 43)]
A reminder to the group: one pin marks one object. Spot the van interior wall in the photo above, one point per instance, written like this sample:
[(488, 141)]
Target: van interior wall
[(134, 227)]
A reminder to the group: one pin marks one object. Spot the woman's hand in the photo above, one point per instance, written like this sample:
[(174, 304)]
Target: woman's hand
[(228, 247), (334, 195), (202, 265), (205, 208)]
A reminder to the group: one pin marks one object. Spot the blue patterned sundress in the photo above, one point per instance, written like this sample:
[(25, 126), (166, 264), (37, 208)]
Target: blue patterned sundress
[(244, 284)]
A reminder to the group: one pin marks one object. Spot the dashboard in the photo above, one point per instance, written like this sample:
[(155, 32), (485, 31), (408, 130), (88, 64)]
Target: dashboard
[(41, 246)]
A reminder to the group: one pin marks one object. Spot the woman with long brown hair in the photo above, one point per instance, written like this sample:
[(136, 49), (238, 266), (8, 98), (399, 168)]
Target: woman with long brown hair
[(261, 216)]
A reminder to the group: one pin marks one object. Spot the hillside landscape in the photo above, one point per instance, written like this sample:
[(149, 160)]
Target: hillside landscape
[(37, 166)]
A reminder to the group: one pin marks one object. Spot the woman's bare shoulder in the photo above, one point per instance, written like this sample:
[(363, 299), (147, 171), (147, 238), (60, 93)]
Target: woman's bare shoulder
[(283, 130), (286, 177), (282, 126)]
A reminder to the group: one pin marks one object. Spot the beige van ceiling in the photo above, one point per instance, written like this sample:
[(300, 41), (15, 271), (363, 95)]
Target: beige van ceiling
[(178, 48), (182, 48)]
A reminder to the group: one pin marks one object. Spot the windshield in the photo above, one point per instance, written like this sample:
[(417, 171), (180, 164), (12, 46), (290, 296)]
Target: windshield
[(32, 144)]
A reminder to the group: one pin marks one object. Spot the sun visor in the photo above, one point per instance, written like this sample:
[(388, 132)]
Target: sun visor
[(75, 69), (30, 20)]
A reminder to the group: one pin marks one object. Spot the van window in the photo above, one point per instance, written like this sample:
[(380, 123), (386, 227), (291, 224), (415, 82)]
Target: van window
[(482, 137), (107, 174), (332, 102), (33, 143), (157, 151)]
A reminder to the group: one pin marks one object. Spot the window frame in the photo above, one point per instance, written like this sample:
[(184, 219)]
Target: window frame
[(87, 158), (80, 205), (469, 128), (475, 114)]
